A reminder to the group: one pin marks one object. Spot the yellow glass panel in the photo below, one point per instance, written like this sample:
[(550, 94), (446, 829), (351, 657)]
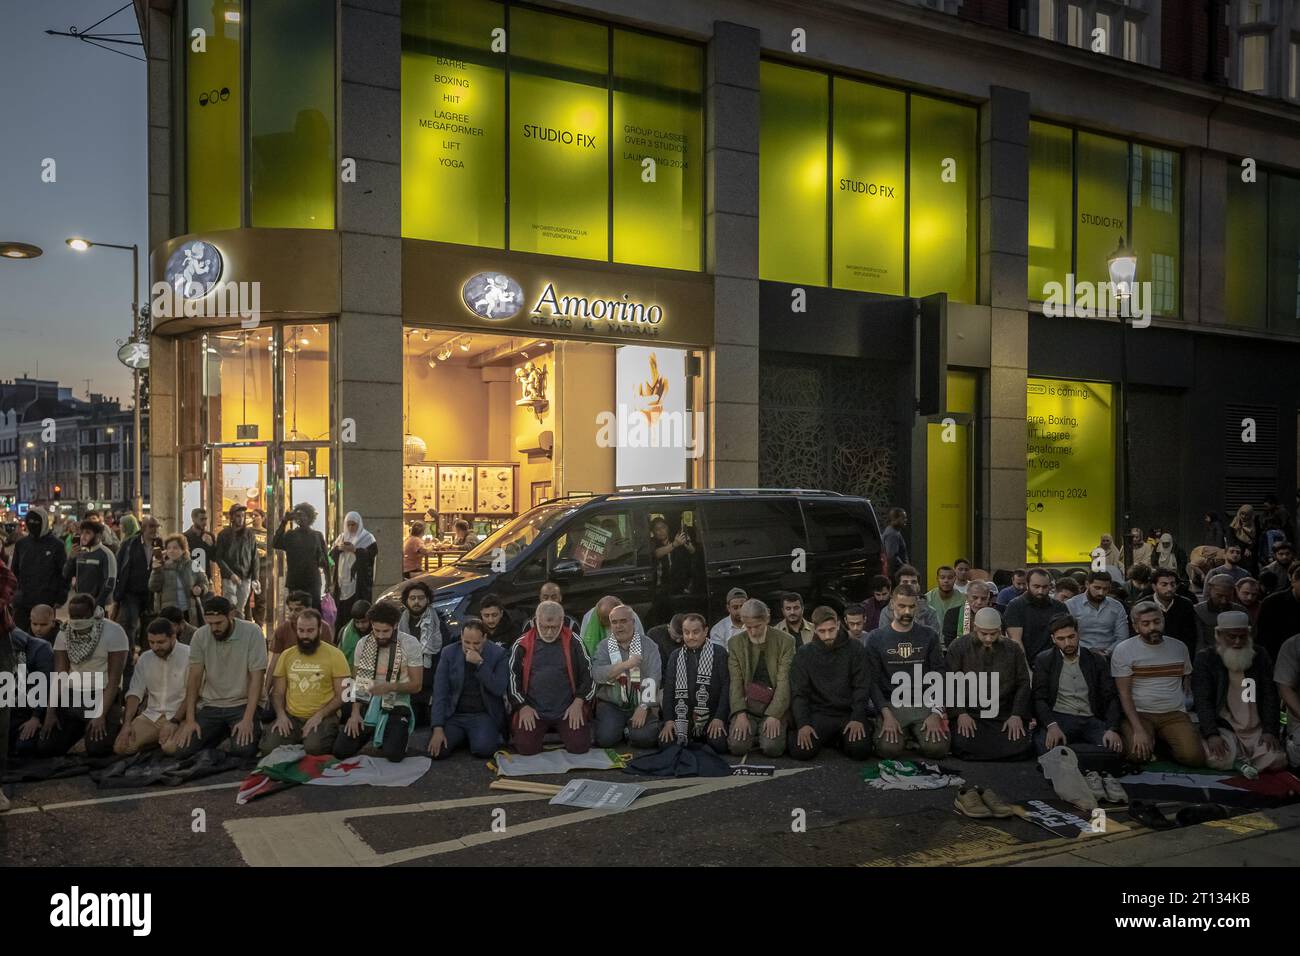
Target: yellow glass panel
[(1103, 204), (214, 97), (869, 182), (942, 236), (453, 122), (1051, 186), (794, 113)]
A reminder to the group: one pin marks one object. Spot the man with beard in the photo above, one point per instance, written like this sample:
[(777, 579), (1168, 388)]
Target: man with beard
[(721, 632), (1151, 676), (388, 667), (1231, 565), (308, 691), (830, 692), (92, 646), (944, 596), (421, 621), (1074, 695), (1019, 581), (159, 680), (1029, 615), (596, 626), (1273, 577), (224, 686), (550, 685), (1004, 735), (286, 634), (1248, 596), (38, 565), (92, 567), (1103, 625), (469, 695), (1279, 615), (792, 620), (1180, 613), (960, 621), (499, 625), (1239, 729), (628, 672), (924, 615), (697, 689), (1220, 591), (200, 541), (236, 556), (877, 604), (899, 647), (759, 660)]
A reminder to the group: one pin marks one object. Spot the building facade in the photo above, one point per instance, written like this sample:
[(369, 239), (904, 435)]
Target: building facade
[(431, 260)]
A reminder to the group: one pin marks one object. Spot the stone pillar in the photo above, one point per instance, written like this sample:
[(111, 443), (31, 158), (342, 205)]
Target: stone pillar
[(1004, 266), (368, 337), (162, 467), (731, 162)]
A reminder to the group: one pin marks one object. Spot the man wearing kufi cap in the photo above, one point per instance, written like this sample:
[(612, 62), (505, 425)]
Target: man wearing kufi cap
[(992, 664), (1236, 700)]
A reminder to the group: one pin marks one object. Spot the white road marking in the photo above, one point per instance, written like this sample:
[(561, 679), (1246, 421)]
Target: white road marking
[(326, 839), (169, 792)]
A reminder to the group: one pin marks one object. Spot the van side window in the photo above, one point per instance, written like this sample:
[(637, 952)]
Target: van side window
[(835, 526), (736, 530), (601, 540)]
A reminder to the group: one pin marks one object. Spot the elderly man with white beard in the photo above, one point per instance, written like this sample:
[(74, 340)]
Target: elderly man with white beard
[(1237, 700)]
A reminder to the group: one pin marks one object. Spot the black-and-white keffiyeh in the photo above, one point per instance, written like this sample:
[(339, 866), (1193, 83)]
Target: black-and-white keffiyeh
[(685, 714), (367, 662), (84, 635), (629, 689)]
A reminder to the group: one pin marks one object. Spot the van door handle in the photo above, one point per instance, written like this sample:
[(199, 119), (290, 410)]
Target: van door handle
[(730, 569), (633, 579)]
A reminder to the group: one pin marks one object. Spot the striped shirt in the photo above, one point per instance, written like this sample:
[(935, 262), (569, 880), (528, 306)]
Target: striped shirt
[(1157, 671)]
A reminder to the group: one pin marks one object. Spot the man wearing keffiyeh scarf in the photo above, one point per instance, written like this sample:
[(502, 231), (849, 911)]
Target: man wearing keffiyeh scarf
[(92, 649), (627, 672), (698, 679), (388, 668)]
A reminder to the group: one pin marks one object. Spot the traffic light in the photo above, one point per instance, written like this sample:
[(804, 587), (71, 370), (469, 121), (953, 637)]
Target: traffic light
[(58, 491)]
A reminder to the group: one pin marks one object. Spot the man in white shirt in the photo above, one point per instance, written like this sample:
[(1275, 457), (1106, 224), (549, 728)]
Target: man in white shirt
[(94, 649), (721, 632), (1151, 675), (159, 683)]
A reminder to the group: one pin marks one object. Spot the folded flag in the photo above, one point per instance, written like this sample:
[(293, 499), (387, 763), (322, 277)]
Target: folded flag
[(289, 765)]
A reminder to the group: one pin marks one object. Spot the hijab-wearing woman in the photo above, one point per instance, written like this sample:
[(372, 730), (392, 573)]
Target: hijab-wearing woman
[(1244, 530), (353, 555)]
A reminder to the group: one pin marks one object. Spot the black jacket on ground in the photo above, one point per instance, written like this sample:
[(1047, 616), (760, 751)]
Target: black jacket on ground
[(38, 566), (1210, 691), (134, 564), (1103, 696), (830, 679)]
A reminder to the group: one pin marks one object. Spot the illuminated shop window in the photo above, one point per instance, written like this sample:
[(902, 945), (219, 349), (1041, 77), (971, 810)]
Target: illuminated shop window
[(214, 103)]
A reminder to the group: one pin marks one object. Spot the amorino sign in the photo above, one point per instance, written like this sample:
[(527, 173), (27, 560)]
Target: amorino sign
[(452, 286)]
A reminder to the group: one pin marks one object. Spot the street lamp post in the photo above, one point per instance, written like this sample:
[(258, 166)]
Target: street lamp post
[(82, 245), (1122, 266)]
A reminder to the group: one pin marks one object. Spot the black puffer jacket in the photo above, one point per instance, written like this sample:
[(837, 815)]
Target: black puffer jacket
[(38, 565)]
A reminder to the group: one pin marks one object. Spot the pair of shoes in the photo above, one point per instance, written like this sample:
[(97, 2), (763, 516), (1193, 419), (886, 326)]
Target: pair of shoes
[(1105, 789), (980, 803), (1061, 766)]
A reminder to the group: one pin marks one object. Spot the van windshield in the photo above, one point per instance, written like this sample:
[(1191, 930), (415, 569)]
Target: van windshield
[(515, 537)]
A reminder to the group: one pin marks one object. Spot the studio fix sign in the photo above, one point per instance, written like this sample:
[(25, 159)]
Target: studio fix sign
[(496, 296)]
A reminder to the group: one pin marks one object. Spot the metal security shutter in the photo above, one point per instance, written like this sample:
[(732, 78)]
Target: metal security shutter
[(1250, 467)]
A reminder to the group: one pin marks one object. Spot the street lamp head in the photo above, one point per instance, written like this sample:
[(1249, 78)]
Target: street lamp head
[(1123, 269), (81, 245), (19, 250)]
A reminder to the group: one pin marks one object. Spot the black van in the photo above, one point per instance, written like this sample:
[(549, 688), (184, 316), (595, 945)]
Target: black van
[(824, 545)]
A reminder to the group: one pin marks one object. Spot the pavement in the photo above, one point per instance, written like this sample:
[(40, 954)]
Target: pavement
[(807, 814)]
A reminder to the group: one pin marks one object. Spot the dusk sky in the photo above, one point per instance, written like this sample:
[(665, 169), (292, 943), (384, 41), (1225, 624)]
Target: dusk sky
[(61, 315)]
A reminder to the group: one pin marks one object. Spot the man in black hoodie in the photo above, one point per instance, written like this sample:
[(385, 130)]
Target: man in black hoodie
[(236, 556), (92, 566), (830, 692), (131, 593), (38, 566)]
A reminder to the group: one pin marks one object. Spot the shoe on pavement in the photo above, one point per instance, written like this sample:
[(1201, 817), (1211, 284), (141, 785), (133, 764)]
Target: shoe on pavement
[(969, 804), (1061, 766), (996, 805), (1115, 793), (1098, 789)]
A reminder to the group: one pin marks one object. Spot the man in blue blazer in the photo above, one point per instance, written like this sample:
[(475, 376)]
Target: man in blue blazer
[(469, 695)]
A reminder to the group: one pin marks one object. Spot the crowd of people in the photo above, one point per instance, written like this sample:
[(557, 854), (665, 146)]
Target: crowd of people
[(1132, 658)]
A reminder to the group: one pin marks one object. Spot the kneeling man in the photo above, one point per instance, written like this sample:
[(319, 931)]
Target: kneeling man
[(627, 672), (699, 682), (1236, 699), (469, 694), (388, 667), (830, 692), (550, 685), (308, 691), (1151, 675), (1074, 695), (159, 680), (989, 661)]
